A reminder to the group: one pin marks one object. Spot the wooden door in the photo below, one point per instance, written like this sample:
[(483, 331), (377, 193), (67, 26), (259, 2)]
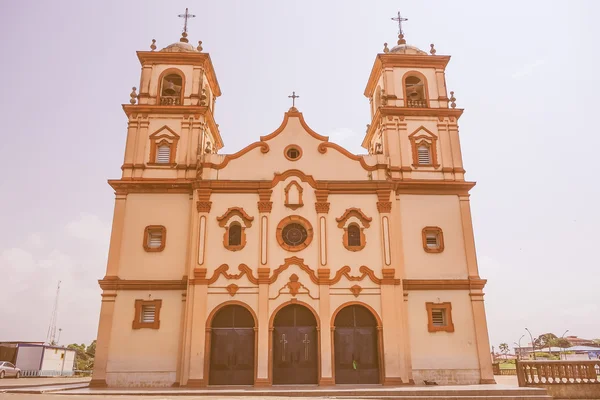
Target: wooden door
[(295, 357), (232, 348), (355, 347)]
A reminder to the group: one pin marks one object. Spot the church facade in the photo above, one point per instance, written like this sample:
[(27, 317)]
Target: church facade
[(292, 261)]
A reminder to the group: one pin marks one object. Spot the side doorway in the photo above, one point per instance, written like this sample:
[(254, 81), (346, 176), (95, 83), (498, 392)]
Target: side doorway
[(232, 347), (356, 346)]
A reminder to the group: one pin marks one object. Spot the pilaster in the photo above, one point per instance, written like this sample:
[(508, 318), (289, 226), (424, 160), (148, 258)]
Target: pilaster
[(116, 236), (107, 310), (481, 336), (264, 353)]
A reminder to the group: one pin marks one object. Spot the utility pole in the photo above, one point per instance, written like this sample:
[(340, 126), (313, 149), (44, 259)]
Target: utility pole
[(51, 335)]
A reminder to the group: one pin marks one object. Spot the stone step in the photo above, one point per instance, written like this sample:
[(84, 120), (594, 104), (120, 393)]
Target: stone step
[(475, 392)]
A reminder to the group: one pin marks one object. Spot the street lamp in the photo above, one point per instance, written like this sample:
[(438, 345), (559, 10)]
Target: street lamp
[(532, 343), (561, 345), (519, 346)]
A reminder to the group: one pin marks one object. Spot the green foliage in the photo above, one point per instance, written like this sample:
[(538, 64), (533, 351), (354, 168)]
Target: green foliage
[(84, 359), (503, 348)]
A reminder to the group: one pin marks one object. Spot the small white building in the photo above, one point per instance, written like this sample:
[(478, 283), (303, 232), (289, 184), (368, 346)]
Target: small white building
[(39, 359)]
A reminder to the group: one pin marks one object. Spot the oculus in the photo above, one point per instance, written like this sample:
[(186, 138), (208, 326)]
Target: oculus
[(294, 233)]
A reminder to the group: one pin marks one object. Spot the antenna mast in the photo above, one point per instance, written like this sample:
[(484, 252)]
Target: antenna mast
[(50, 337)]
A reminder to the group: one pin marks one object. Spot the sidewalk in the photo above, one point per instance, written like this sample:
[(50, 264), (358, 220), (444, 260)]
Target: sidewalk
[(11, 383)]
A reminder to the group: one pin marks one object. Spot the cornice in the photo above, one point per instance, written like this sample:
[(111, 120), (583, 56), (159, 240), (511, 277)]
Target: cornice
[(403, 112), (333, 187), (391, 60), (132, 109), (183, 58), (474, 283), (115, 283)]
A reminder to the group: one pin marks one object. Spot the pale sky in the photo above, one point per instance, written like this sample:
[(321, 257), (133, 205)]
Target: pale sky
[(524, 71)]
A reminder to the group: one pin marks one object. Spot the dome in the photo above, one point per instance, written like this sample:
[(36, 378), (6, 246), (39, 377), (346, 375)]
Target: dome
[(180, 47), (406, 49)]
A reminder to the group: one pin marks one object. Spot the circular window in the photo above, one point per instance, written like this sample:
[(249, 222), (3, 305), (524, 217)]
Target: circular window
[(294, 233), (292, 152)]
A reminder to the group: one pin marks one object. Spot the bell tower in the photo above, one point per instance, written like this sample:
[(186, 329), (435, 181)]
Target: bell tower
[(413, 121), (171, 123)]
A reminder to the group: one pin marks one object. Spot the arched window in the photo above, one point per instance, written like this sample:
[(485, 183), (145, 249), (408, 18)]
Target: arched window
[(424, 154), (235, 234), (171, 90), (354, 238), (415, 92)]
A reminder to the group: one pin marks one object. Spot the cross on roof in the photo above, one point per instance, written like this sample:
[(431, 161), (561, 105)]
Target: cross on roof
[(293, 97), (400, 19), (185, 17)]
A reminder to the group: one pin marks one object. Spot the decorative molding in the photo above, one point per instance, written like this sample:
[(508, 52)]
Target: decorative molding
[(116, 283), (158, 138), (200, 275), (473, 283), (428, 139), (356, 290), (297, 220), (137, 319), (296, 114), (203, 204), (232, 289), (233, 211), (365, 272), (294, 261), (265, 206), (322, 208), (384, 207), (449, 327), (280, 177), (354, 212), (264, 148), (439, 234), (322, 148), (299, 189), (163, 240), (294, 285)]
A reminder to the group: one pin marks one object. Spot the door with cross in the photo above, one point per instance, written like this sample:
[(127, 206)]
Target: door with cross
[(295, 358)]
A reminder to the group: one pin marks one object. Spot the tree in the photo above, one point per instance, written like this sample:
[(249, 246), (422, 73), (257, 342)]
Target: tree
[(544, 340), (84, 359), (503, 348)]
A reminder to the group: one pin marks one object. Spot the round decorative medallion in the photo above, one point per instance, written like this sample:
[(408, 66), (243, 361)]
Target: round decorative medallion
[(294, 233)]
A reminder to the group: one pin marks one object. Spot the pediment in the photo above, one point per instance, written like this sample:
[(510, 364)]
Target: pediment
[(164, 132), (422, 132)]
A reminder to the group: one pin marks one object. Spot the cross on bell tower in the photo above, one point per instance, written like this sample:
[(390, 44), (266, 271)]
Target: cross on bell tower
[(185, 17), (400, 19)]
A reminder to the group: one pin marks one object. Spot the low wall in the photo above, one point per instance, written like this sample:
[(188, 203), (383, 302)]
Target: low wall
[(562, 379)]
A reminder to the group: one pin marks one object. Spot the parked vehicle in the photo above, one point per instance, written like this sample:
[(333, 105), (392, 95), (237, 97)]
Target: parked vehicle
[(8, 369)]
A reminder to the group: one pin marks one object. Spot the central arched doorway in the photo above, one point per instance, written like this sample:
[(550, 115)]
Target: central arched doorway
[(356, 347), (295, 357), (232, 347)]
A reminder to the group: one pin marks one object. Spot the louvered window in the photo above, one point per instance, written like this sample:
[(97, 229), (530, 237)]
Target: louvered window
[(163, 154), (432, 240), (438, 317), (148, 313), (154, 239), (424, 155)]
